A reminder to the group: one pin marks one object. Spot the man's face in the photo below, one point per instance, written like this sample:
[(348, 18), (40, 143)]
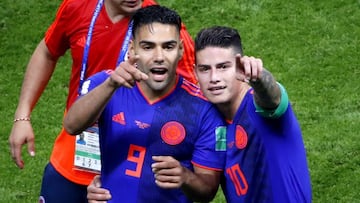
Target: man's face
[(159, 49), (216, 72)]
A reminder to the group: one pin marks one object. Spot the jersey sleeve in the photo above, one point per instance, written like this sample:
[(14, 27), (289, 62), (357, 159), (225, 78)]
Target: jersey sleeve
[(93, 81), (186, 64), (210, 147), (56, 38)]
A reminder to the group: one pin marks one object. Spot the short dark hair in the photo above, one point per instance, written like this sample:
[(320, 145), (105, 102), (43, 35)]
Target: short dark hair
[(155, 14), (218, 36)]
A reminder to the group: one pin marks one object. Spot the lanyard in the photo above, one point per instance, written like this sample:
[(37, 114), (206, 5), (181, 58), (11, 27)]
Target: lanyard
[(88, 41)]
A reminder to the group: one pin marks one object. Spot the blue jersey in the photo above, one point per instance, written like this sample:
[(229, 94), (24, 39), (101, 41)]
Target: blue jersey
[(182, 125), (266, 159)]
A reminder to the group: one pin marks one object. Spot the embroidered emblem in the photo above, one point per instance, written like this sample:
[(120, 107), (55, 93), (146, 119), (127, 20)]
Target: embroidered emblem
[(119, 118), (81, 42), (173, 133), (241, 137)]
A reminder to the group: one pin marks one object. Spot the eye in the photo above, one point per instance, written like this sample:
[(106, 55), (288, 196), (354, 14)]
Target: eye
[(203, 68), (170, 46), (146, 47), (222, 66)]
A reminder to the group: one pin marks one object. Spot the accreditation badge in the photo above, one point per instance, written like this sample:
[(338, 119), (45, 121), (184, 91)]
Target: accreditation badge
[(87, 150)]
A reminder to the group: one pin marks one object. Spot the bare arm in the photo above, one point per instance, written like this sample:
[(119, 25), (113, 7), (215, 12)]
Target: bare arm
[(87, 109), (200, 185), (38, 73), (267, 93)]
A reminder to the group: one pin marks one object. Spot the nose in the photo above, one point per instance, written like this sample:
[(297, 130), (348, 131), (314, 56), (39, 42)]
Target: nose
[(214, 76), (159, 55)]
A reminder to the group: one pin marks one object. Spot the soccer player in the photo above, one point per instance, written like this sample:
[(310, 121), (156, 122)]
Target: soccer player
[(160, 140), (97, 34), (266, 158)]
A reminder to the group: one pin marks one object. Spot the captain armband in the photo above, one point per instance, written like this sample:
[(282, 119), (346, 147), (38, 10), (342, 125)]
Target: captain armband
[(280, 110)]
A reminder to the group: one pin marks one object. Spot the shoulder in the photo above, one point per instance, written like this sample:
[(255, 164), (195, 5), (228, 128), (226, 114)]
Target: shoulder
[(94, 80), (76, 7), (192, 89)]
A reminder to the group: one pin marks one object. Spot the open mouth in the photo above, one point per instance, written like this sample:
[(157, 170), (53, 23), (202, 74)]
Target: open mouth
[(158, 71)]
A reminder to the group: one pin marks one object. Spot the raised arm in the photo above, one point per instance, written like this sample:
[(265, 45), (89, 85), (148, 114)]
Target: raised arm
[(38, 73), (270, 97), (87, 109)]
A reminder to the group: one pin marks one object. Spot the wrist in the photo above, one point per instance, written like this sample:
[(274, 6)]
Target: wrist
[(25, 118)]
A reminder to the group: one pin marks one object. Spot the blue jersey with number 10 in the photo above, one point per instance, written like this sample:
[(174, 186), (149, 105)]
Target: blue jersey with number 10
[(266, 159), (132, 130)]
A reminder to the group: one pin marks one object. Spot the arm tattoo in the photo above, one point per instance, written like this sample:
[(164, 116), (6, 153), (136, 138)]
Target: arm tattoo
[(267, 93)]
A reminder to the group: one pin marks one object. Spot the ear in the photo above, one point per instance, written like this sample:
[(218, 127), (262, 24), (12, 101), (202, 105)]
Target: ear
[(195, 73), (181, 49), (131, 49)]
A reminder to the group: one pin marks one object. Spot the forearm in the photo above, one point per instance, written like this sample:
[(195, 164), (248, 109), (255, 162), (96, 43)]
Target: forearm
[(267, 93), (38, 73), (87, 109), (201, 187)]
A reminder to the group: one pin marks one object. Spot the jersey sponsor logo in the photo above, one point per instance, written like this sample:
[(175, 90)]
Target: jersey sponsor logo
[(119, 118), (173, 133), (141, 124), (241, 137)]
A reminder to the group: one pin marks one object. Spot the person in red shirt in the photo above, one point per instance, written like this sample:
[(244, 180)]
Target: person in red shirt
[(97, 34)]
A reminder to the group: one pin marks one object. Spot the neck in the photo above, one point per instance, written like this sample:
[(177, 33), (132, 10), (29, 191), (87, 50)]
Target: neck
[(230, 108), (152, 94), (113, 11)]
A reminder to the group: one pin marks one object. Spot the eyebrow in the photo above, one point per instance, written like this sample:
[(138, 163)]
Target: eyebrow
[(151, 42), (218, 64)]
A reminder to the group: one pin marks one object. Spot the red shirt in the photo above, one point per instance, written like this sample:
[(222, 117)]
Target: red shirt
[(69, 31)]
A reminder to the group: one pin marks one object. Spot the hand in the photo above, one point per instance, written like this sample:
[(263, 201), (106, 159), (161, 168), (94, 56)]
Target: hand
[(249, 68), (22, 133), (127, 73), (168, 172), (96, 194)]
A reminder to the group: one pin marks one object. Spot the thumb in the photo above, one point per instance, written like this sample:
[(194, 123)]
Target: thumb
[(240, 72), (31, 147), (97, 181)]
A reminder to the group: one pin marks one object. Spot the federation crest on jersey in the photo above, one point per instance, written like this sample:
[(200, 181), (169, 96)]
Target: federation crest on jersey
[(173, 133), (241, 137)]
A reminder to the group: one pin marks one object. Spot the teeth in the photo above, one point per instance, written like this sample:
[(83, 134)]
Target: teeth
[(216, 88)]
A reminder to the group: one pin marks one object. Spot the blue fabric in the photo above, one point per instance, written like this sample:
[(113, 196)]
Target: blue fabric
[(57, 189), (266, 158), (132, 130)]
